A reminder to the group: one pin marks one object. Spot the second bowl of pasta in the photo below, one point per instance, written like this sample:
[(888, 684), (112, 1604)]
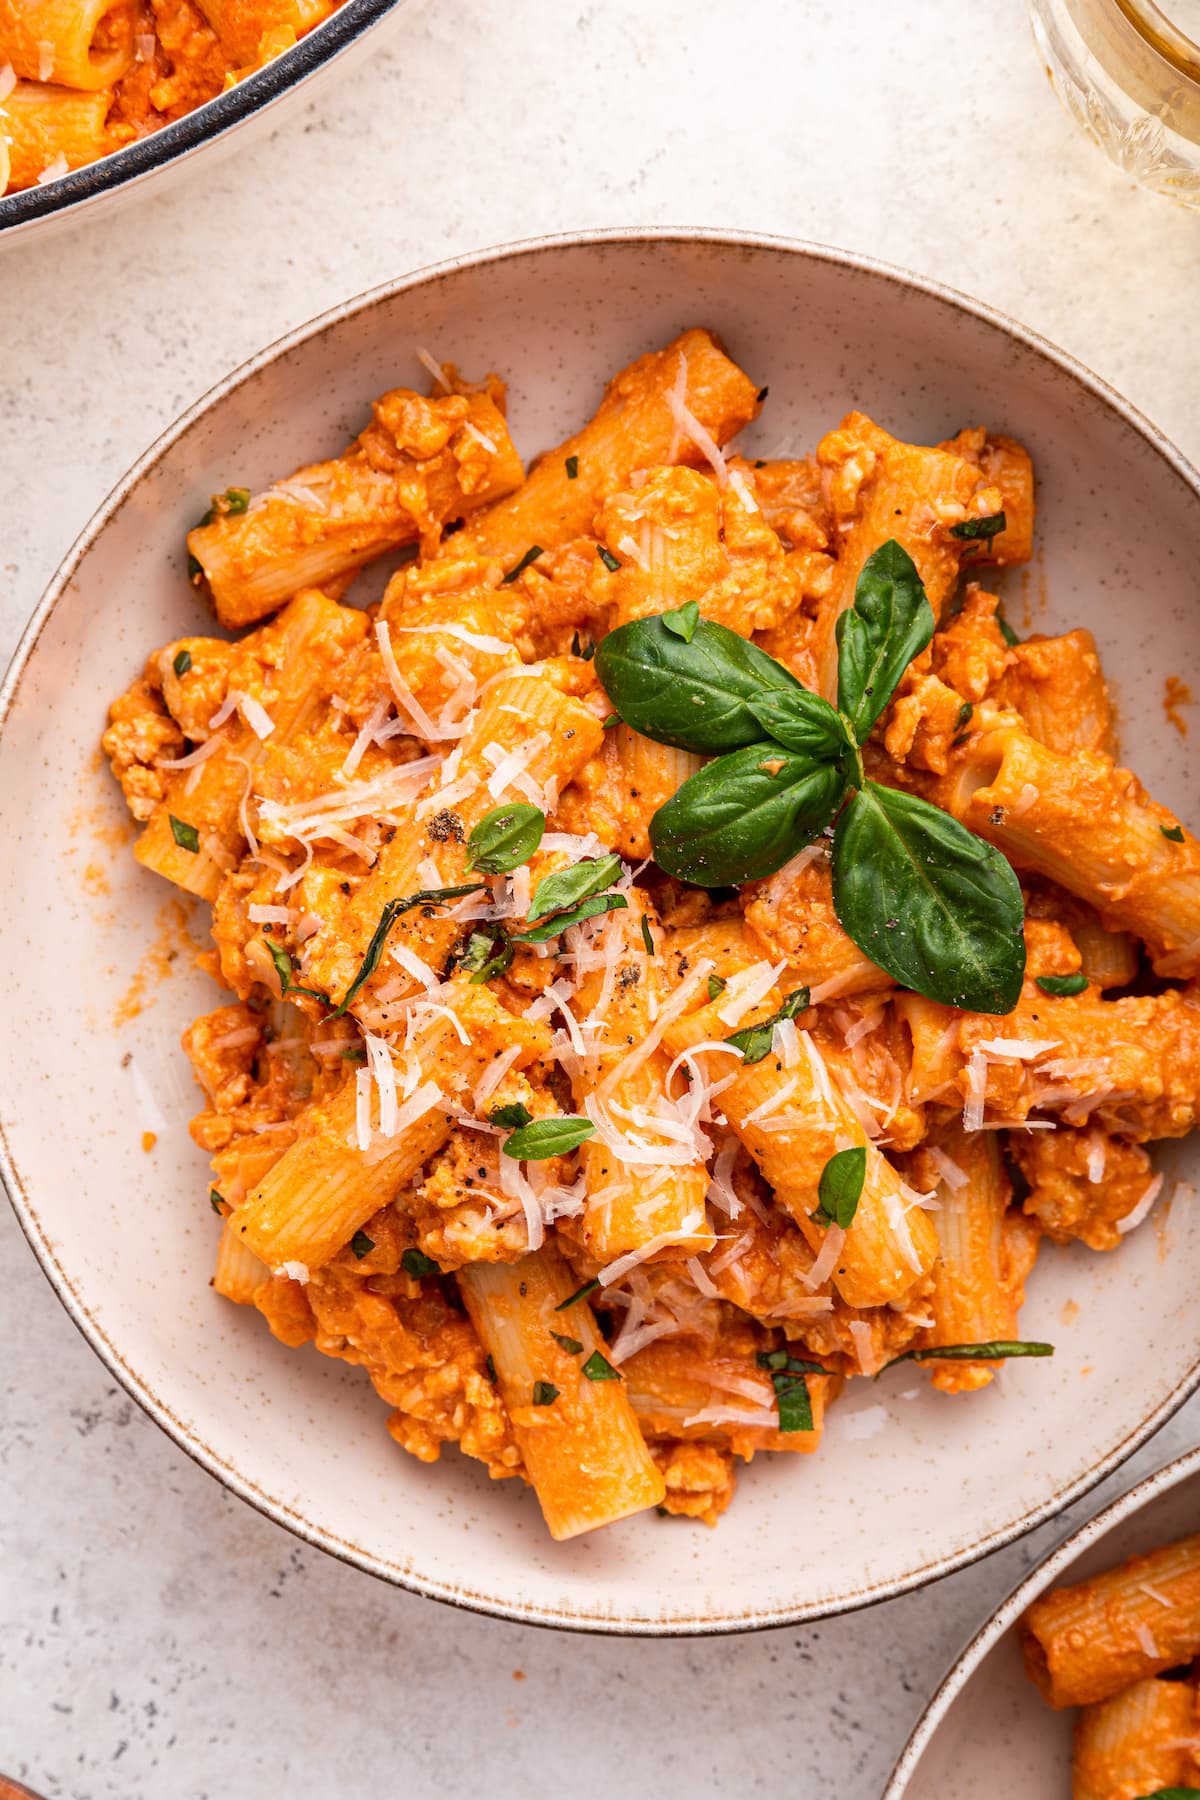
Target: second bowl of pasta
[(618, 760)]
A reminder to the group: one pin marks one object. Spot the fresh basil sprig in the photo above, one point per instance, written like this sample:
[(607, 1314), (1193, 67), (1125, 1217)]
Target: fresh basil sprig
[(995, 1350), (547, 1137), (285, 968), (567, 887), (985, 529), (1063, 986), (792, 1399), (505, 838), (754, 1041), (487, 953), (932, 904), (840, 1187), (393, 909)]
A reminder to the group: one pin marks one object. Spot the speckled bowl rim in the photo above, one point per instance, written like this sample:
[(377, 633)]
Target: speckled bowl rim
[(73, 194), (754, 1618), (1041, 1577)]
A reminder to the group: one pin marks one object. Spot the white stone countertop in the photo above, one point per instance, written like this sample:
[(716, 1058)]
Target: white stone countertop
[(158, 1639)]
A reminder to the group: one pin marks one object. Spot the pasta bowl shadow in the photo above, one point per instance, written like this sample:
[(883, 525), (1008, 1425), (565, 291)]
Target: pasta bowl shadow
[(95, 1094), (987, 1734)]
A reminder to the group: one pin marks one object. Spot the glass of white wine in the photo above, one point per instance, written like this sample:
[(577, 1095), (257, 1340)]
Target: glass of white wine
[(1128, 71)]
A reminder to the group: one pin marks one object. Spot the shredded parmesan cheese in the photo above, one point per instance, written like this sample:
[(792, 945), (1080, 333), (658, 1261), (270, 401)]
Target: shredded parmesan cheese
[(1133, 1219)]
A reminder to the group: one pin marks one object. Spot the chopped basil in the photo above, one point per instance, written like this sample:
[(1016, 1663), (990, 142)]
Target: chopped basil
[(1172, 1793), (182, 662), (683, 621), (571, 1345), (754, 1041), (544, 1393), (232, 501), (547, 1137), (716, 986), (572, 467), (505, 837), (994, 1350), (415, 1262), (285, 969), (589, 1287), (1062, 986), (511, 1117), (387, 918), (185, 835), (530, 556), (1006, 631), (612, 719), (195, 569), (487, 953), (762, 394), (841, 1185), (792, 1398), (567, 887), (489, 1363), (607, 558), (598, 1368), (990, 526), (362, 1245), (1174, 832), (965, 714), (579, 648), (355, 1054), (587, 909), (647, 936), (216, 1200)]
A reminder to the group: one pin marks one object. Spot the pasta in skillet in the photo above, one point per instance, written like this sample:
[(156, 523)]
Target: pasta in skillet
[(660, 932), (78, 80), (1122, 1646)]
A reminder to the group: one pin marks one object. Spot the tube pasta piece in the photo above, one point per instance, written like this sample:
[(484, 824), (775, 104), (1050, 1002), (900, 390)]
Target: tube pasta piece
[(634, 428), (551, 735), (617, 793), (645, 1181), (1006, 465), (1086, 1642), (1058, 687), (792, 916), (279, 669), (325, 1186), (682, 1392), (1136, 1743), (1088, 826), (879, 488), (580, 1443), (51, 128), (417, 465), (251, 31), (239, 1273), (792, 1121), (85, 44), (985, 1252)]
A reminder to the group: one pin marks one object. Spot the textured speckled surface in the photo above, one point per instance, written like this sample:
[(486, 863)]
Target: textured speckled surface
[(237, 1659)]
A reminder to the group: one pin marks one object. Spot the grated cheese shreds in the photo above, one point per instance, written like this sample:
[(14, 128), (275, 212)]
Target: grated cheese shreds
[(676, 1005), (195, 757), (952, 1173), (976, 1091), (430, 362), (699, 1275), (493, 1075), (478, 640), (1133, 1219), (295, 1271), (773, 1104), (785, 1043), (615, 1270), (630, 547), (413, 965), (1146, 1639), (271, 915), (512, 763), (370, 725), (406, 700), (741, 488), (362, 1108), (758, 1417), (428, 1009), (379, 1060), (1097, 1157), (8, 81), (826, 1261), (515, 1182), (745, 990), (721, 1191), (53, 171), (256, 716), (1019, 1049), (687, 425), (864, 1346), (893, 1206)]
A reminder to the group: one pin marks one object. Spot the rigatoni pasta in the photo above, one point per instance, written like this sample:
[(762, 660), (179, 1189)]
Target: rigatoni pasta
[(590, 1072)]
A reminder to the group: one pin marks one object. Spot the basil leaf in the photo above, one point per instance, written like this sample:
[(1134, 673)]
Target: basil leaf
[(598, 1368), (285, 969), (544, 1393), (568, 887), (391, 912), (716, 985), (1006, 631), (185, 835), (487, 954), (505, 838), (841, 1185), (995, 1350), (754, 1041), (890, 622), (572, 468), (547, 1137), (929, 901), (531, 555), (683, 621), (1174, 832), (990, 526), (589, 1287), (647, 936), (611, 563), (744, 815), (1062, 986), (571, 1345), (415, 1262), (691, 694), (792, 1399), (802, 722), (587, 909), (779, 1359), (182, 662), (512, 1117), (361, 1245), (1172, 1793), (216, 1200)]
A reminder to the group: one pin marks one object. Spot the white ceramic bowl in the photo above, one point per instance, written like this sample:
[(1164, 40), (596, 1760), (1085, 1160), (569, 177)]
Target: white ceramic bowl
[(987, 1734), (336, 42), (909, 1484)]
